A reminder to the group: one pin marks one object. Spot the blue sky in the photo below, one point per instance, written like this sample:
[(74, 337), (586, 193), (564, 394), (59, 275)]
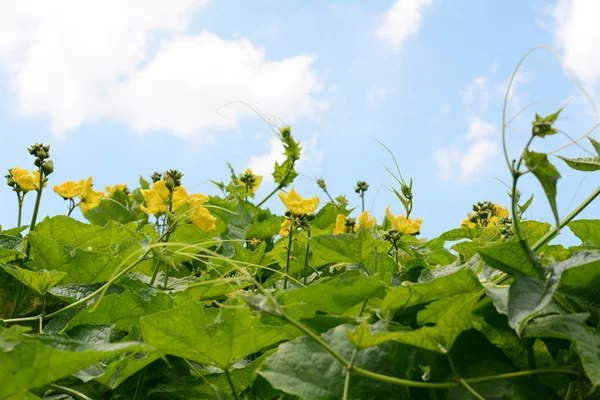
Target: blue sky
[(122, 90)]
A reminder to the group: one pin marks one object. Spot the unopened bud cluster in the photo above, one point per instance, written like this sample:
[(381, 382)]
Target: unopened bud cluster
[(42, 153), (172, 179), (361, 187), (301, 220), (482, 213), (248, 179), (506, 228), (157, 176)]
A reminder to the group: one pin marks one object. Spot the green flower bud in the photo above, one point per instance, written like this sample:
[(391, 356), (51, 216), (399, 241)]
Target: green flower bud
[(157, 176), (48, 167)]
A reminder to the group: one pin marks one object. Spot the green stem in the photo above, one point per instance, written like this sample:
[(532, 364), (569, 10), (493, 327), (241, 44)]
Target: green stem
[(306, 255), (282, 184), (70, 391), (20, 200), (71, 207), (235, 396), (470, 389), (102, 288), (35, 209), (289, 252), (362, 199), (140, 384)]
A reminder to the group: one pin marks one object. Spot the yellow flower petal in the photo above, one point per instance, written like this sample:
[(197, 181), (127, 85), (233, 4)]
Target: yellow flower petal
[(297, 205), (284, 229), (161, 189), (340, 225), (180, 197), (89, 197), (367, 222), (112, 189), (69, 189), (197, 199), (36, 179), (23, 178), (499, 211), (155, 204), (202, 219), (402, 224)]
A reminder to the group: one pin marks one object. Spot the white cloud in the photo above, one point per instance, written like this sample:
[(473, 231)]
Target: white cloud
[(475, 157), (402, 21), (447, 159), (577, 33), (480, 129), (376, 95), (482, 92), (75, 61)]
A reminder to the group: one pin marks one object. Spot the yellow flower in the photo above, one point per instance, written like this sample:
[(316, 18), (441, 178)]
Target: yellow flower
[(155, 204), (200, 216), (180, 197), (202, 219), (402, 224), (341, 227), (284, 229), (499, 211), (89, 197), (36, 179), (69, 189), (467, 223), (156, 198), (112, 189), (365, 221), (296, 204), (24, 179), (257, 180)]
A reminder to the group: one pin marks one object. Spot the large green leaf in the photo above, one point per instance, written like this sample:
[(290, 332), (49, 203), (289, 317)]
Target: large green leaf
[(10, 247), (303, 368), (528, 296), (28, 362), (514, 257), (187, 332), (451, 315), (350, 248), (122, 310), (117, 207), (264, 229), (242, 376), (586, 164), (546, 173), (572, 327), (40, 281), (462, 281), (335, 295), (587, 230)]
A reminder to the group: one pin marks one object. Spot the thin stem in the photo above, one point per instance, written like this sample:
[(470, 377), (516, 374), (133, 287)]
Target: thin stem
[(35, 209), (553, 232), (102, 288), (71, 207), (289, 251), (282, 184), (70, 391), (20, 200), (306, 255), (235, 396), (23, 319), (140, 384), (362, 199), (470, 389)]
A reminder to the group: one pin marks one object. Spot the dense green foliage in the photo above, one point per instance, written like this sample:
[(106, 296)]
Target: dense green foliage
[(221, 299)]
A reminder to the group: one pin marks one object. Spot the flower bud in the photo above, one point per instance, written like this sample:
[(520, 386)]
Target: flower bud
[(48, 167), (322, 184), (170, 183), (37, 162), (10, 181), (157, 176)]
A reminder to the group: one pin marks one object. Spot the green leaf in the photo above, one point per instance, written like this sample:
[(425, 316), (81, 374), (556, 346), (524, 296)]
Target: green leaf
[(586, 164), (264, 229), (535, 230), (40, 281), (525, 207), (303, 368), (11, 247), (542, 126), (462, 281), (452, 316), (187, 332), (30, 362), (117, 208), (325, 218), (514, 257), (572, 327), (335, 295), (587, 230), (547, 175), (242, 375), (350, 248), (122, 310)]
